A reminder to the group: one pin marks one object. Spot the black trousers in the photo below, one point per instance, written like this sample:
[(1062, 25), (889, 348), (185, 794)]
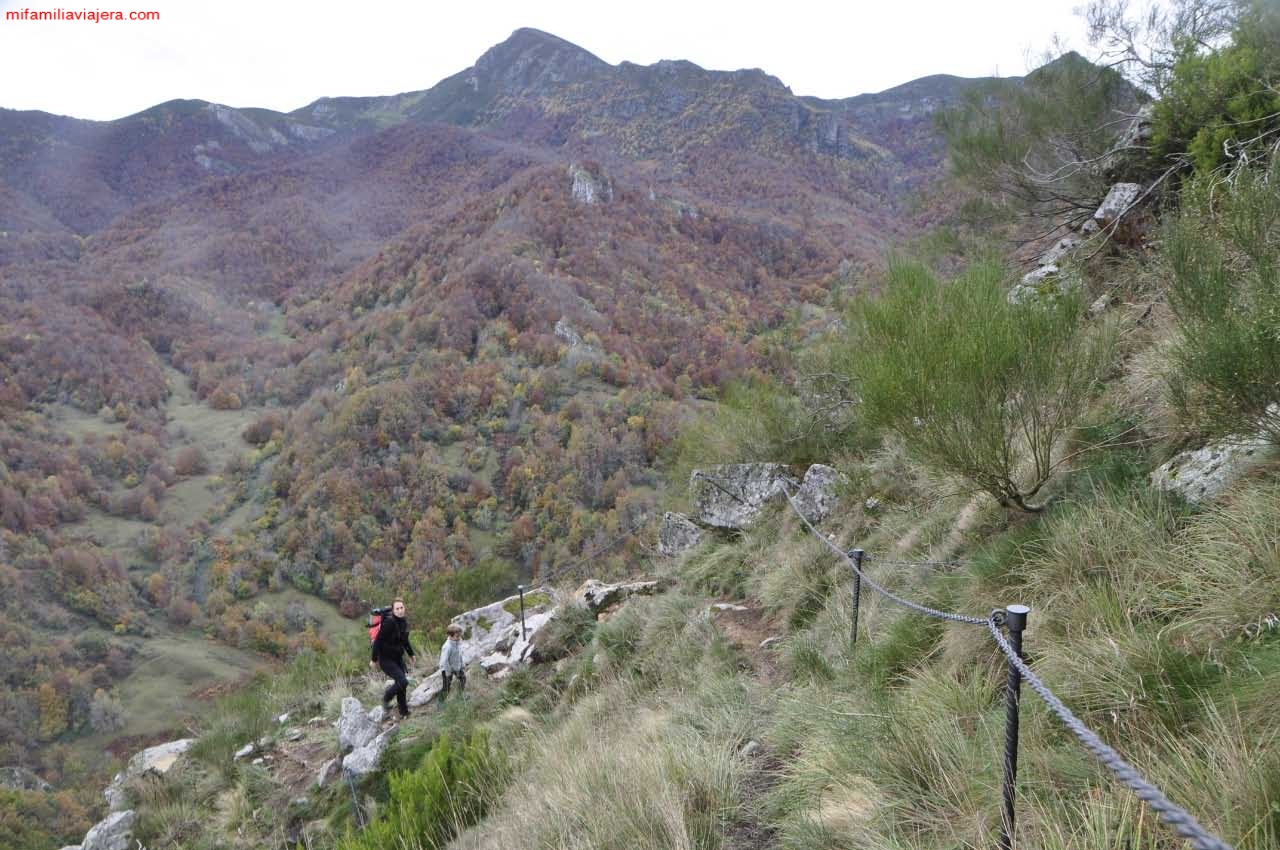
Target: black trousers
[(395, 669), (461, 676)]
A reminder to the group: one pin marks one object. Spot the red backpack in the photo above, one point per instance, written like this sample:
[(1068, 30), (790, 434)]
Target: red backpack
[(375, 621)]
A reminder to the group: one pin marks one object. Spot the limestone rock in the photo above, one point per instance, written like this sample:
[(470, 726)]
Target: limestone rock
[(364, 759), (566, 332), (115, 832), (1203, 474), (242, 752), (1042, 285), (328, 772), (589, 188), (1116, 204), (816, 497), (355, 727), (22, 779), (426, 692), (596, 596), (677, 535), (1059, 251), (494, 630), (158, 760), (1129, 154), (1100, 306), (732, 495)]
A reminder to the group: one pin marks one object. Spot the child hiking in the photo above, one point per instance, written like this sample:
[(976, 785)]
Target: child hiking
[(451, 662), (388, 652)]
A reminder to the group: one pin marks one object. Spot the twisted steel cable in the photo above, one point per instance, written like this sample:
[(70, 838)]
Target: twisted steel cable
[(1182, 821), (906, 603)]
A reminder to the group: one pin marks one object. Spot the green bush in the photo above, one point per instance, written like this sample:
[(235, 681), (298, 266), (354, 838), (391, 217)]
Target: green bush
[(1224, 254), (973, 385), (1223, 105), (431, 804)]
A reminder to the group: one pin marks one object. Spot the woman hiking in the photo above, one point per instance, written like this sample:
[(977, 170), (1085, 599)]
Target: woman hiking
[(388, 652)]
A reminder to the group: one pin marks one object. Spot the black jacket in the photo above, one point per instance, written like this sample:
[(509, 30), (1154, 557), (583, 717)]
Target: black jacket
[(392, 641)]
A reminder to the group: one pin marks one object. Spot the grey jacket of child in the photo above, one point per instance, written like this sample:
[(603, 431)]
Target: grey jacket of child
[(451, 656)]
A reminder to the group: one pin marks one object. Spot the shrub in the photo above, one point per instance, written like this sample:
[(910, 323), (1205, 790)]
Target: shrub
[(1223, 105), (1224, 253), (430, 805), (190, 461), (972, 384)]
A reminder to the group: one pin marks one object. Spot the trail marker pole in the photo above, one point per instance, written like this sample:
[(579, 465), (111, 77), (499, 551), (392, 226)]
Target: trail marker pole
[(523, 636)]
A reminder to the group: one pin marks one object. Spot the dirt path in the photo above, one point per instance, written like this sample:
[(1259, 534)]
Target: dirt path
[(748, 628)]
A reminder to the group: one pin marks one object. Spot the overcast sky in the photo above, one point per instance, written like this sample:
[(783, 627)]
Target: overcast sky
[(282, 55)]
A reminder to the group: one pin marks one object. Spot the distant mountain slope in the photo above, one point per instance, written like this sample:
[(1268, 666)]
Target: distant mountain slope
[(472, 318)]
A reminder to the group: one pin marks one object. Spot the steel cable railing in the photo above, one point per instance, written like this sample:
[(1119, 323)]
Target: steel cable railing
[(1180, 820)]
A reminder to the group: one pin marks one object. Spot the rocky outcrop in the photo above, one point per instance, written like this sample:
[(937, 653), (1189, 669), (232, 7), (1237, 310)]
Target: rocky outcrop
[(115, 832), (677, 535), (1203, 474), (156, 760), (733, 495), (364, 759), (1129, 158), (597, 596), (589, 188), (356, 727), (816, 497), (21, 779)]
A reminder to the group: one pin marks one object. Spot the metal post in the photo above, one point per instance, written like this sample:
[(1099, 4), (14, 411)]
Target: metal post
[(1015, 620), (856, 554), (520, 587)]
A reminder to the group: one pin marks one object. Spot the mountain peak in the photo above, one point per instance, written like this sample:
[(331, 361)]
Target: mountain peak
[(531, 58)]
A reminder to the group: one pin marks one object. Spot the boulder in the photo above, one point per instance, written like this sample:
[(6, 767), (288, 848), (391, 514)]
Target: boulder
[(115, 832), (355, 727), (677, 535), (1118, 201), (596, 596), (157, 760), (1203, 474), (363, 760), (816, 497), (732, 495)]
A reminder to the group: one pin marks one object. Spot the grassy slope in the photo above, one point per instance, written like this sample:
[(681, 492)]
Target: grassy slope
[(1148, 618)]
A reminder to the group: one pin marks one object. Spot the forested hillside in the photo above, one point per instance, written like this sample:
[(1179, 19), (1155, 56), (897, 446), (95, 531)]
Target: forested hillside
[(260, 369)]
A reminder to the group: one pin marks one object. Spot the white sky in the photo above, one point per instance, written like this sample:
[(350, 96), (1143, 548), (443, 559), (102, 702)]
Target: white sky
[(283, 54)]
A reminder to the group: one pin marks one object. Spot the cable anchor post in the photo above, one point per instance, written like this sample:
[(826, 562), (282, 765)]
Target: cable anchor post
[(1015, 620), (857, 556)]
